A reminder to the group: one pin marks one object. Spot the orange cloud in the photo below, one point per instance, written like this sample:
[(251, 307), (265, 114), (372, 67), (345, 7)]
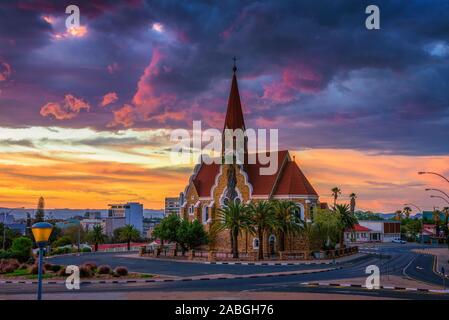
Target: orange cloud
[(109, 98), (68, 109), (73, 32), (124, 116)]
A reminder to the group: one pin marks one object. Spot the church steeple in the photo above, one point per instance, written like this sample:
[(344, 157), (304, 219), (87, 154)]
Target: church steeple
[(234, 114)]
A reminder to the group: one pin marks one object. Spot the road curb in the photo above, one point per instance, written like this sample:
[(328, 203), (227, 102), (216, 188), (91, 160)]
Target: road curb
[(346, 285), (249, 276), (271, 263)]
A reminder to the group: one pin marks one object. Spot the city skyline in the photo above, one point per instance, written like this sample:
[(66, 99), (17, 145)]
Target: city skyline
[(361, 110)]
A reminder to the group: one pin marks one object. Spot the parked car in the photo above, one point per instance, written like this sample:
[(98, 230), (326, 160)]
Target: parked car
[(397, 240)]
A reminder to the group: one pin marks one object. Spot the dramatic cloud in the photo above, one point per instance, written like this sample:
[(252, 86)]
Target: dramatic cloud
[(5, 71), (109, 98), (124, 116), (68, 109)]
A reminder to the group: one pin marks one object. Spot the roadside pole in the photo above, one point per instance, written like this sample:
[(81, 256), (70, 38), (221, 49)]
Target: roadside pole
[(444, 277)]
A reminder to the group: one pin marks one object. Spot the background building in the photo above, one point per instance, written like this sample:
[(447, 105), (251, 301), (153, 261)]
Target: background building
[(172, 204), (120, 215)]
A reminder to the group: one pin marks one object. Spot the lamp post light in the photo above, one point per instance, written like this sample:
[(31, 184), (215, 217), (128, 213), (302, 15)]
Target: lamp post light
[(440, 191), (433, 196), (434, 173), (41, 233)]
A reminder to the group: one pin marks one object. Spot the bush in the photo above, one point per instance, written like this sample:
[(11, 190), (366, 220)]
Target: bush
[(63, 241), (85, 249), (35, 269), (5, 254), (85, 271), (91, 265), (48, 266), (104, 269), (55, 268), (62, 250), (23, 266), (62, 272), (121, 271), (21, 248)]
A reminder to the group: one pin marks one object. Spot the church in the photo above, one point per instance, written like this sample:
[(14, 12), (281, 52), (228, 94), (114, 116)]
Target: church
[(212, 185)]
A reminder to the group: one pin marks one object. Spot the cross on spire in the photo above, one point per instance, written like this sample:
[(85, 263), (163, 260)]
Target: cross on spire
[(235, 66)]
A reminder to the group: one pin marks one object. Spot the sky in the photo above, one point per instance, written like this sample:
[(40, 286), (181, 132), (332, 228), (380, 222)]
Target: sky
[(86, 113)]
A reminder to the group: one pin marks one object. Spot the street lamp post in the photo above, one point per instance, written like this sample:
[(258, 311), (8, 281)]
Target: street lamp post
[(433, 196), (434, 173), (41, 233), (440, 191)]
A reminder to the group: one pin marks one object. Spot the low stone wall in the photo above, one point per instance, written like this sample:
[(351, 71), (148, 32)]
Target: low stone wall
[(247, 256)]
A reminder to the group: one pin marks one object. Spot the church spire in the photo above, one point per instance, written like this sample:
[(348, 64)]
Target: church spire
[(234, 114)]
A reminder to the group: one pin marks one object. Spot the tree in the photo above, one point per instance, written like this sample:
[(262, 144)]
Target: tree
[(286, 221), (21, 248), (40, 212), (326, 228), (128, 233), (96, 236), (407, 211), (335, 193), (168, 228), (446, 220), (347, 219), (10, 235), (61, 242), (191, 235), (262, 216), (352, 196), (233, 217)]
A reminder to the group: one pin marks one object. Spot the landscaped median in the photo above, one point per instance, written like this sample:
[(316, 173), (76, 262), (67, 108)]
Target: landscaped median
[(11, 269)]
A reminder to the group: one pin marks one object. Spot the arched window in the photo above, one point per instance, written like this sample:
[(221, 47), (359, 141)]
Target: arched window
[(205, 214), (299, 212), (191, 210), (256, 243)]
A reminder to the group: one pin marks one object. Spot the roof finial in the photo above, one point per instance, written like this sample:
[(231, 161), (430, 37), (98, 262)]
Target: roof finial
[(235, 66)]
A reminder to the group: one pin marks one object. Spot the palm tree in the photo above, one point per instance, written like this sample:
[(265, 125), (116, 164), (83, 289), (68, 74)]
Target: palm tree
[(407, 211), (347, 219), (286, 220), (335, 193), (398, 215), (97, 236), (233, 217), (262, 216), (446, 220), (128, 233), (353, 196)]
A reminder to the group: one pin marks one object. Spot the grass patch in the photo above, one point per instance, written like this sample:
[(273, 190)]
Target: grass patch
[(44, 276), (146, 276), (18, 273)]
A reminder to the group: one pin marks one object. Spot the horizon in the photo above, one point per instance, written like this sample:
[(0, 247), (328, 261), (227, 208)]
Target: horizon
[(361, 110)]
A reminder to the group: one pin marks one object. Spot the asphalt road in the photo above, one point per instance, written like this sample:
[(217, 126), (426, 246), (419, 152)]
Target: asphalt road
[(391, 259)]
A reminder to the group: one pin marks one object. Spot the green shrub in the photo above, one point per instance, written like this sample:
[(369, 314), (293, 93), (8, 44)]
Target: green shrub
[(121, 271), (91, 265), (104, 269), (48, 266), (63, 241), (85, 249), (55, 268), (5, 254), (21, 248), (61, 272)]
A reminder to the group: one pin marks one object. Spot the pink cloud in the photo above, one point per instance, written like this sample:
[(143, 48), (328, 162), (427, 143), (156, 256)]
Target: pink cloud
[(109, 98), (68, 109), (124, 116), (113, 67), (150, 102), (5, 71), (294, 80)]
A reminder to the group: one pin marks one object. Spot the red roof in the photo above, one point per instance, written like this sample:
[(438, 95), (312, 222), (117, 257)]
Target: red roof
[(290, 179), (358, 228), (293, 181), (234, 114)]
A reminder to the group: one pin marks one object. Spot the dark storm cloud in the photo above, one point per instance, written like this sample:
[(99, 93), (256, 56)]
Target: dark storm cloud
[(310, 68)]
